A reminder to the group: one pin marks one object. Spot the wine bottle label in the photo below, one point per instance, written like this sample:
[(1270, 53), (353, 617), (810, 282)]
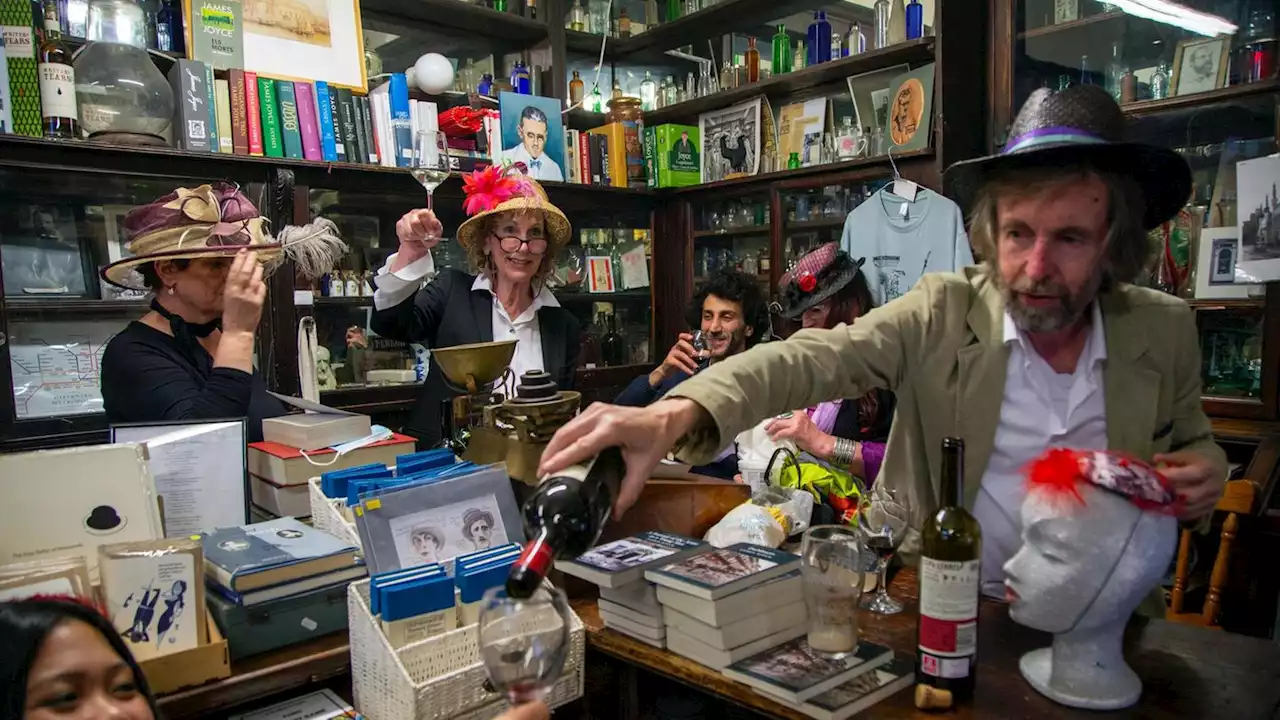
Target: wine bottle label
[(948, 616), (57, 90)]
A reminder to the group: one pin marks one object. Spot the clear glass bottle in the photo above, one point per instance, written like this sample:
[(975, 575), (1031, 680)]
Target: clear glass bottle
[(837, 41), (898, 23), (1115, 72), (1085, 73), (704, 79), (617, 91), (169, 33), (800, 57), (578, 17), (753, 61), (728, 79), (855, 43), (690, 87), (1160, 81), (650, 14), (119, 90), (598, 17), (882, 24), (672, 92), (846, 140), (648, 92), (576, 89)]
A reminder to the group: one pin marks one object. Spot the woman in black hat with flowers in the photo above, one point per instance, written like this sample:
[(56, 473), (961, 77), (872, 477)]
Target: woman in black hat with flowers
[(826, 288)]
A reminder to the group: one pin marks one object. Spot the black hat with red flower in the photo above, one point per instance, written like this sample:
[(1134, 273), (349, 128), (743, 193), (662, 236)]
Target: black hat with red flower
[(818, 275)]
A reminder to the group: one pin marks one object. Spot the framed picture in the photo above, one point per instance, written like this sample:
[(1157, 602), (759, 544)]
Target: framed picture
[(600, 274), (40, 251), (532, 135), (1200, 65), (732, 140), (1216, 267), (297, 40), (1258, 218), (911, 109), (115, 247), (439, 519)]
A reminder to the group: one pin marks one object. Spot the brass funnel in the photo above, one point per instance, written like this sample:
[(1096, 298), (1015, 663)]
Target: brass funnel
[(475, 366)]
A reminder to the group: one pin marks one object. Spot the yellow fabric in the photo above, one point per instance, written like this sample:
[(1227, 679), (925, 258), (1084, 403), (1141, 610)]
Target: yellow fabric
[(939, 349)]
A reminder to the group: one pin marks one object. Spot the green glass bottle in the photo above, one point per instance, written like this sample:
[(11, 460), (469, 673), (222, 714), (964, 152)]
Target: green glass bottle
[(793, 162), (673, 10), (781, 51)]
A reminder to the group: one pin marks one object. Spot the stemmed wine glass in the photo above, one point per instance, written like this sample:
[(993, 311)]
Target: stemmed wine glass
[(524, 642), (883, 523), (430, 161)]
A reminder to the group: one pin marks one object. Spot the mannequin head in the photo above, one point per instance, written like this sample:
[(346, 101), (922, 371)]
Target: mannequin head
[(1087, 563)]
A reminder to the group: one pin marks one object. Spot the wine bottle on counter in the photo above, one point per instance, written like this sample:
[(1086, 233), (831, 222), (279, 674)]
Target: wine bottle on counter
[(950, 553), (564, 517)]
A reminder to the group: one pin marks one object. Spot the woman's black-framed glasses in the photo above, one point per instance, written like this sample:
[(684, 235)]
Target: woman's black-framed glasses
[(511, 243)]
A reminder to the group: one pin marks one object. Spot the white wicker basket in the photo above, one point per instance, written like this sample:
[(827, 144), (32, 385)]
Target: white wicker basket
[(437, 678), (327, 516)]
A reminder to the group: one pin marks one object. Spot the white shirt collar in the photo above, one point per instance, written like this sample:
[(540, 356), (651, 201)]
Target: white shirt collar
[(543, 298), (1095, 349)]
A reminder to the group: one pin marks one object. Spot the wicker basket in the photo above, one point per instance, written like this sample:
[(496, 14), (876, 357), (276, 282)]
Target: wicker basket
[(326, 515), (437, 678)]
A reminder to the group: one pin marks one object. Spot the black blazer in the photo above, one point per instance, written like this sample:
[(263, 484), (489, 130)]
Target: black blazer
[(849, 425), (447, 312)]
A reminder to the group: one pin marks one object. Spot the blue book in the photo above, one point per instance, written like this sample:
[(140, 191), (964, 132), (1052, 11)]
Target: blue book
[(625, 561), (377, 581), (272, 553), (334, 483), (713, 574), (425, 460), (479, 557), (289, 125), (328, 140), (401, 124)]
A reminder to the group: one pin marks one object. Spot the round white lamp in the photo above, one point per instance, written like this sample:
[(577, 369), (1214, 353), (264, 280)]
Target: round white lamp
[(433, 73)]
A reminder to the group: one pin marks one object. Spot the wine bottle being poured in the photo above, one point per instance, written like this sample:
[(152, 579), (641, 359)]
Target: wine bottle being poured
[(564, 517)]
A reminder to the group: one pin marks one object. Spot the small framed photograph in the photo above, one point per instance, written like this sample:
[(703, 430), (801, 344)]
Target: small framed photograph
[(1216, 266), (116, 248), (40, 251), (600, 274), (1200, 65)]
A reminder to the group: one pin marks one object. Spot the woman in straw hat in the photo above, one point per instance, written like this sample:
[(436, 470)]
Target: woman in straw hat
[(511, 238), (202, 252)]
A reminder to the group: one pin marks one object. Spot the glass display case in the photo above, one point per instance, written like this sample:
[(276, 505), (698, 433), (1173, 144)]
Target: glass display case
[(603, 278), (57, 231), (733, 234)]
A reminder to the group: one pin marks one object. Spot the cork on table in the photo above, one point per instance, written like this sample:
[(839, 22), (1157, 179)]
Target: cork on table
[(1187, 672)]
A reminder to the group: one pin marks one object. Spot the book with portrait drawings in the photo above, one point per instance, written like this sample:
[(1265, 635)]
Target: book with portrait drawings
[(715, 573), (624, 561), (767, 596), (854, 696), (795, 672), (154, 593), (272, 553)]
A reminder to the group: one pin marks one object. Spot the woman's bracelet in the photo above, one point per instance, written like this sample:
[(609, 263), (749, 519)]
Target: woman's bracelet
[(843, 453)]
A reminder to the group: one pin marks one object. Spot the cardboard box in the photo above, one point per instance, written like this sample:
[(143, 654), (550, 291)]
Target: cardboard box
[(671, 159), (197, 666)]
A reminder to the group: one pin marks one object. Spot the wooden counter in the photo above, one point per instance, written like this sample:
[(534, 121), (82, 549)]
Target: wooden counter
[(1187, 672)]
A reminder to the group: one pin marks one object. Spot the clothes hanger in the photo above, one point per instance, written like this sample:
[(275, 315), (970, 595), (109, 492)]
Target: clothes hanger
[(902, 187)]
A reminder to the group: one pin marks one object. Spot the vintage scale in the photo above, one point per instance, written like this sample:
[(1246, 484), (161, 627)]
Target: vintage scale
[(511, 420)]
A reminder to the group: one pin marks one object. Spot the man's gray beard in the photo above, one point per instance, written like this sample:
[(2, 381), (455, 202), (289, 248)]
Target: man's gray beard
[(1042, 320)]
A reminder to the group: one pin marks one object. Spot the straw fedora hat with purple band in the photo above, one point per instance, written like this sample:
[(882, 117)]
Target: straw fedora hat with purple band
[(218, 220), (1082, 122)]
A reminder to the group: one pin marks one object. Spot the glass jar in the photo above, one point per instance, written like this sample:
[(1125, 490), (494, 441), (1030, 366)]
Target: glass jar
[(122, 96)]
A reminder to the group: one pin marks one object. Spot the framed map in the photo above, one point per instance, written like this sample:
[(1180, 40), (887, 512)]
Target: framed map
[(55, 366)]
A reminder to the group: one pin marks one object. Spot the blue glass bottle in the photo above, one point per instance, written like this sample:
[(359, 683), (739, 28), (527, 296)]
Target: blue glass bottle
[(915, 20), (818, 47), (169, 35), (520, 80), (485, 87)]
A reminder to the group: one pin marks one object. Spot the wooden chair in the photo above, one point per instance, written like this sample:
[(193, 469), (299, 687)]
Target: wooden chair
[(1236, 500)]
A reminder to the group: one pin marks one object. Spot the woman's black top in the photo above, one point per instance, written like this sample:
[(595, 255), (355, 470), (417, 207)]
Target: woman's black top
[(146, 378)]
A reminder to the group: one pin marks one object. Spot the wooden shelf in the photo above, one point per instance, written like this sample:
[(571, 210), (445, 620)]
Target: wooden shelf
[(1245, 304), (815, 224), (731, 232), (1069, 26), (908, 53), (579, 119), (362, 301), (466, 17), (1224, 95), (615, 49), (714, 21), (580, 296), (75, 307), (870, 164)]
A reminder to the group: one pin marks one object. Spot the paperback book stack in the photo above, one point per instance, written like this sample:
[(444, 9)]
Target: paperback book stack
[(821, 686), (724, 605), (628, 602)]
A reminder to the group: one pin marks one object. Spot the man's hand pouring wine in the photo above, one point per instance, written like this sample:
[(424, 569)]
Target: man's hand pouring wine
[(645, 436)]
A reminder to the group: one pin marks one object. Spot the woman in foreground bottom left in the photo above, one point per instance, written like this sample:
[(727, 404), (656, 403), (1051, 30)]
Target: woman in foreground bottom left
[(61, 658)]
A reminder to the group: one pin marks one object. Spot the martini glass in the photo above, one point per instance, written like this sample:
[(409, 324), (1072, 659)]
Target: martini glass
[(430, 161)]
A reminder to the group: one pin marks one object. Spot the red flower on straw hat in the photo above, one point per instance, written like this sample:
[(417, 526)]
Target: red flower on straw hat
[(488, 188)]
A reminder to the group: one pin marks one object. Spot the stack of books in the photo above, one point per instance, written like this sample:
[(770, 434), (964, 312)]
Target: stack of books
[(628, 602), (262, 562), (720, 606), (821, 686)]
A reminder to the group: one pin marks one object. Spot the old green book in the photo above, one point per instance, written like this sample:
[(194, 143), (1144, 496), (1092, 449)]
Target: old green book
[(673, 156), (217, 33), (289, 119), (272, 140)]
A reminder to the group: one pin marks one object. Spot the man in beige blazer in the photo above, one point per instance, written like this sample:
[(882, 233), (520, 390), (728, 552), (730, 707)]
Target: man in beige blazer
[(1044, 344)]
